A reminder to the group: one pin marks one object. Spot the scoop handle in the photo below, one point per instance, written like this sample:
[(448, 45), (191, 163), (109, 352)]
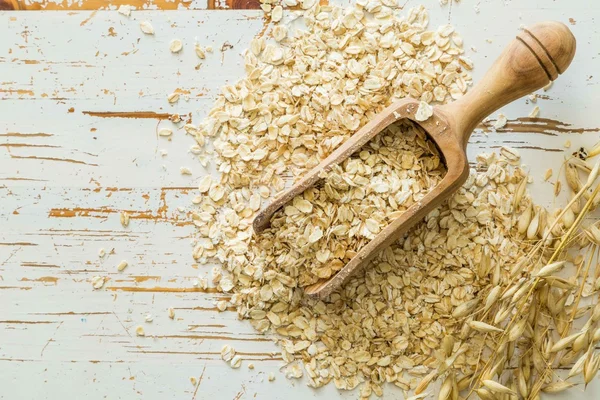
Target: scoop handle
[(534, 58)]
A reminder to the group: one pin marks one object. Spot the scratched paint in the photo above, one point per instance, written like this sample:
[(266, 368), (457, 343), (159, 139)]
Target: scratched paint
[(78, 145), (25, 5), (128, 114), (35, 5)]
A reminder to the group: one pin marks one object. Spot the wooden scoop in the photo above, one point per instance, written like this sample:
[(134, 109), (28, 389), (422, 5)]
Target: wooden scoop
[(536, 57)]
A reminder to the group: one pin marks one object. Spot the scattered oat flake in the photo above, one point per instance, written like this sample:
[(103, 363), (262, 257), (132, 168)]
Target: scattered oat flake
[(124, 218), (203, 283), (548, 174), (193, 380), (535, 112), (227, 353), (122, 265), (205, 184), (418, 396), (165, 132), (147, 28), (140, 331), (279, 32), (195, 149), (149, 318), (271, 377), (510, 153), (567, 144), (185, 171), (216, 192), (466, 62), (125, 10), (98, 282), (236, 362), (163, 152), (173, 98), (171, 312), (277, 14), (250, 366), (222, 305), (423, 112), (294, 371), (176, 45), (200, 52), (500, 121), (101, 252), (209, 49)]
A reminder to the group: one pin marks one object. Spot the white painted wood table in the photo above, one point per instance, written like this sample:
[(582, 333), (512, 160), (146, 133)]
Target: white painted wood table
[(82, 94)]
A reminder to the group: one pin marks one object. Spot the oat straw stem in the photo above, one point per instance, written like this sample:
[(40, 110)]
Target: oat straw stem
[(538, 385), (553, 257)]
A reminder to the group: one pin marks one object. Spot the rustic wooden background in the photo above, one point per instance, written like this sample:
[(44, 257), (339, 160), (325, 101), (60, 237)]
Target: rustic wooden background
[(21, 5), (83, 92)]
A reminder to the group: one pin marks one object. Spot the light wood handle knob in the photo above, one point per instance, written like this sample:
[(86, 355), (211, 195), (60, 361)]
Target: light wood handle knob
[(534, 58), (553, 45)]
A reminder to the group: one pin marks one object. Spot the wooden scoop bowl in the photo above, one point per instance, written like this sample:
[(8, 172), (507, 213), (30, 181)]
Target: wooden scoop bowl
[(536, 57)]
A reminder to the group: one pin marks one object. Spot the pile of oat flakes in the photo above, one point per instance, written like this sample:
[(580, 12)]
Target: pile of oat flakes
[(304, 93)]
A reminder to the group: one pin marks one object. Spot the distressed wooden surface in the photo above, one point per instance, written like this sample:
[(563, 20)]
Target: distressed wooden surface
[(25, 5), (82, 96)]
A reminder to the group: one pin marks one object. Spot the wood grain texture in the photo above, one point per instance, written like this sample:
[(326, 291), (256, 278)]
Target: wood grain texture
[(48, 5), (234, 5), (65, 175)]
